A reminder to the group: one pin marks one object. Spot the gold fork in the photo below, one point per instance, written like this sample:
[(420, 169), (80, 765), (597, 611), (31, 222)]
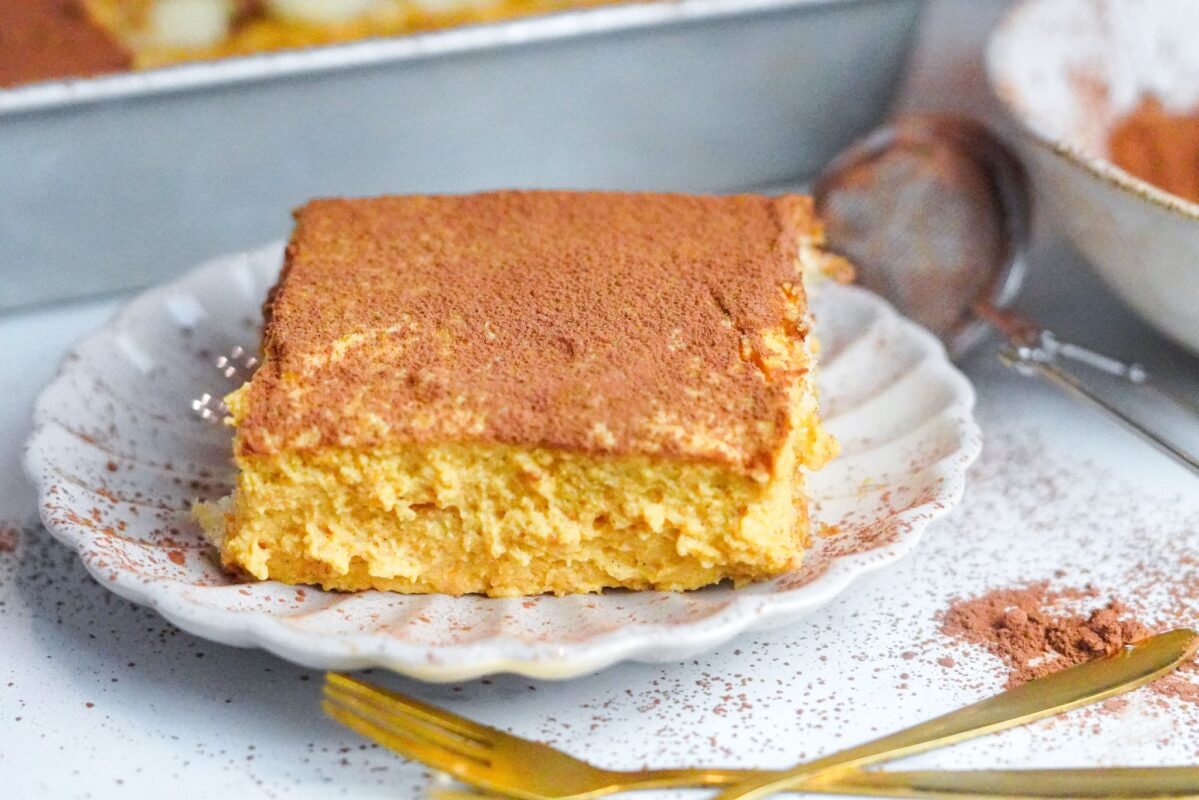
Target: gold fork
[(515, 767), (1112, 670), (1103, 783)]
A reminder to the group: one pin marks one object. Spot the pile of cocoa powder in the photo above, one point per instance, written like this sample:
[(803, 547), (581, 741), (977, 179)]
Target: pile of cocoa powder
[(1036, 631)]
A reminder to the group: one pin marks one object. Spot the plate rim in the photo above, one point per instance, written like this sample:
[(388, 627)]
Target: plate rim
[(646, 642)]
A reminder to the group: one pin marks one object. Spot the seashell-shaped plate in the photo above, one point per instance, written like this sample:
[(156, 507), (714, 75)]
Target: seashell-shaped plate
[(118, 456)]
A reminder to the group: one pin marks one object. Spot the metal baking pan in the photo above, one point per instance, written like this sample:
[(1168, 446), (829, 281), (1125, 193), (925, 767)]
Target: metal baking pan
[(111, 183)]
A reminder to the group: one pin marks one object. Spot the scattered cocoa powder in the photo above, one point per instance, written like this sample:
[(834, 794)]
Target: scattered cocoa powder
[(1114, 705), (1176, 685), (1036, 631), (9, 537)]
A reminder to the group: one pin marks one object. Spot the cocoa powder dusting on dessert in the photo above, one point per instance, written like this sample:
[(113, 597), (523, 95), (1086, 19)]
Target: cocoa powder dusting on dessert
[(583, 321)]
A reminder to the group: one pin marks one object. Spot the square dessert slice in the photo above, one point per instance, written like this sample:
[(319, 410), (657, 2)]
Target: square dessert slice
[(513, 393)]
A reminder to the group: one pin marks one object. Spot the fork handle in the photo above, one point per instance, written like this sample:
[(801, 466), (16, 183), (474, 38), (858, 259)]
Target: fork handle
[(1089, 682), (1126, 783), (1121, 783)]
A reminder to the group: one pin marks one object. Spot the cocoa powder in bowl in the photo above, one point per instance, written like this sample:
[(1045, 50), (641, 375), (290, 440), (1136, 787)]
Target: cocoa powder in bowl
[(1159, 146)]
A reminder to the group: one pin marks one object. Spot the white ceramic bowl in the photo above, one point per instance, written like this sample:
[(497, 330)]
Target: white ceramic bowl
[(1068, 70)]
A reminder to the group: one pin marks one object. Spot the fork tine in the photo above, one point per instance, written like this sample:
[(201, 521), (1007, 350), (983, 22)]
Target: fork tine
[(415, 708), (393, 717), (439, 758)]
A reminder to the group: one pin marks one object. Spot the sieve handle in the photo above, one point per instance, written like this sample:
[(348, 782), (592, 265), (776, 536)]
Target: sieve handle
[(1124, 390)]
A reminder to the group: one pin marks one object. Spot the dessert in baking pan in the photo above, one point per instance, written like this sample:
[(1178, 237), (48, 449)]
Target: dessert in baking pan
[(49, 39), (168, 31)]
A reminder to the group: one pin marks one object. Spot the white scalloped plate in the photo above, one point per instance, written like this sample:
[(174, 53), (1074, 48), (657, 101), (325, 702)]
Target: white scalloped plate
[(118, 457)]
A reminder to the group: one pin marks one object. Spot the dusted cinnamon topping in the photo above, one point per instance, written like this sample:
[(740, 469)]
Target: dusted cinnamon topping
[(597, 322), (49, 39)]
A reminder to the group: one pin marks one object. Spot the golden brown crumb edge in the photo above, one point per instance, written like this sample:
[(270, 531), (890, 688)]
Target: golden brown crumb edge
[(591, 342)]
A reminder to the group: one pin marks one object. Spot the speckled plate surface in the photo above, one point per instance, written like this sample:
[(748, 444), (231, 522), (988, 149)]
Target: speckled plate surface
[(118, 457)]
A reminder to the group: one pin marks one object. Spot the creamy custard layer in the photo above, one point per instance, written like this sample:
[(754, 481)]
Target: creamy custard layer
[(506, 521)]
